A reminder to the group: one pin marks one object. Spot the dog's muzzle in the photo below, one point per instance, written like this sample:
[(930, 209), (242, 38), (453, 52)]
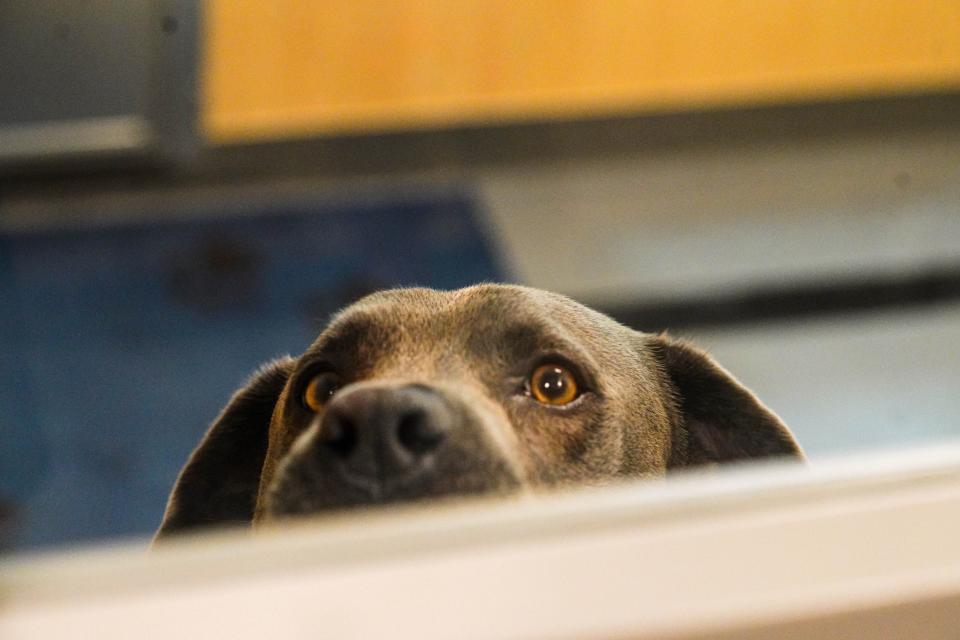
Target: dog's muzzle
[(382, 442)]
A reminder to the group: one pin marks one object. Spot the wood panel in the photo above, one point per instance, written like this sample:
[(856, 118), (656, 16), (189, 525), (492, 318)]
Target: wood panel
[(288, 67)]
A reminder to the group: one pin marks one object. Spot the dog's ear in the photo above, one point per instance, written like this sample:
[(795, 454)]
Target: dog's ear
[(719, 420), (219, 484)]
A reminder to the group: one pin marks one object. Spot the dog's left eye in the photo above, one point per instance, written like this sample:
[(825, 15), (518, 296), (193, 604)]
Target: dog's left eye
[(320, 389), (553, 384)]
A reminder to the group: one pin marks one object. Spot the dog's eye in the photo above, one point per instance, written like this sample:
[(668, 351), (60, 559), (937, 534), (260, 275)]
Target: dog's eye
[(553, 384), (319, 390)]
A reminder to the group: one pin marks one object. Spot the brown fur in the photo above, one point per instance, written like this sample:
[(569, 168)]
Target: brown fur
[(651, 404)]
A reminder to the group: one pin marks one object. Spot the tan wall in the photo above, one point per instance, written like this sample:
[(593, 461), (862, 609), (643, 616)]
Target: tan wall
[(282, 68)]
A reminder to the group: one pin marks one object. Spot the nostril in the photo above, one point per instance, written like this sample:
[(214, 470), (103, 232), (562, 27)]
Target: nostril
[(339, 436), (417, 433)]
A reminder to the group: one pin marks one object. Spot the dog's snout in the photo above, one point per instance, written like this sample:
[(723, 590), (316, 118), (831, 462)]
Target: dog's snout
[(384, 433)]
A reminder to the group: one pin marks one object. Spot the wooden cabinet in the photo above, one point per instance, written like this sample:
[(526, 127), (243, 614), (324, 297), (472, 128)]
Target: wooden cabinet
[(283, 68)]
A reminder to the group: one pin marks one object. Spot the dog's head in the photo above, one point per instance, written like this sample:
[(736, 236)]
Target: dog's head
[(414, 393)]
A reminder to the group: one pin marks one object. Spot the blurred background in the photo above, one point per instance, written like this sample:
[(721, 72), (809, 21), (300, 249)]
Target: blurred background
[(188, 189)]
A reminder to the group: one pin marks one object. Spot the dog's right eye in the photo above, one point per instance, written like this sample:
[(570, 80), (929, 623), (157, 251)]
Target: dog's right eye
[(553, 384), (319, 391)]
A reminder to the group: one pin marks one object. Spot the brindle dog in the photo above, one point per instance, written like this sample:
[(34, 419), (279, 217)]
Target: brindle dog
[(414, 393)]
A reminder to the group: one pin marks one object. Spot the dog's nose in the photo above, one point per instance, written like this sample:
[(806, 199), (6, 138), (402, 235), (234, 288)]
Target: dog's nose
[(382, 434)]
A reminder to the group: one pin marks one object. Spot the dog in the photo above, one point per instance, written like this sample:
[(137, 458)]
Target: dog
[(411, 394)]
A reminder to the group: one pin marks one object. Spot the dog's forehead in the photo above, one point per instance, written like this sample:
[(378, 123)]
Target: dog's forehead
[(481, 314)]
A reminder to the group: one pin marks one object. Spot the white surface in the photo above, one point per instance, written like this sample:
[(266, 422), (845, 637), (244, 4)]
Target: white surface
[(113, 133), (820, 552), (856, 382), (698, 220)]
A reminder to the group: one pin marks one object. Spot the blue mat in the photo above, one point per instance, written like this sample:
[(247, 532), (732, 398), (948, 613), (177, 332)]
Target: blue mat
[(118, 345)]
